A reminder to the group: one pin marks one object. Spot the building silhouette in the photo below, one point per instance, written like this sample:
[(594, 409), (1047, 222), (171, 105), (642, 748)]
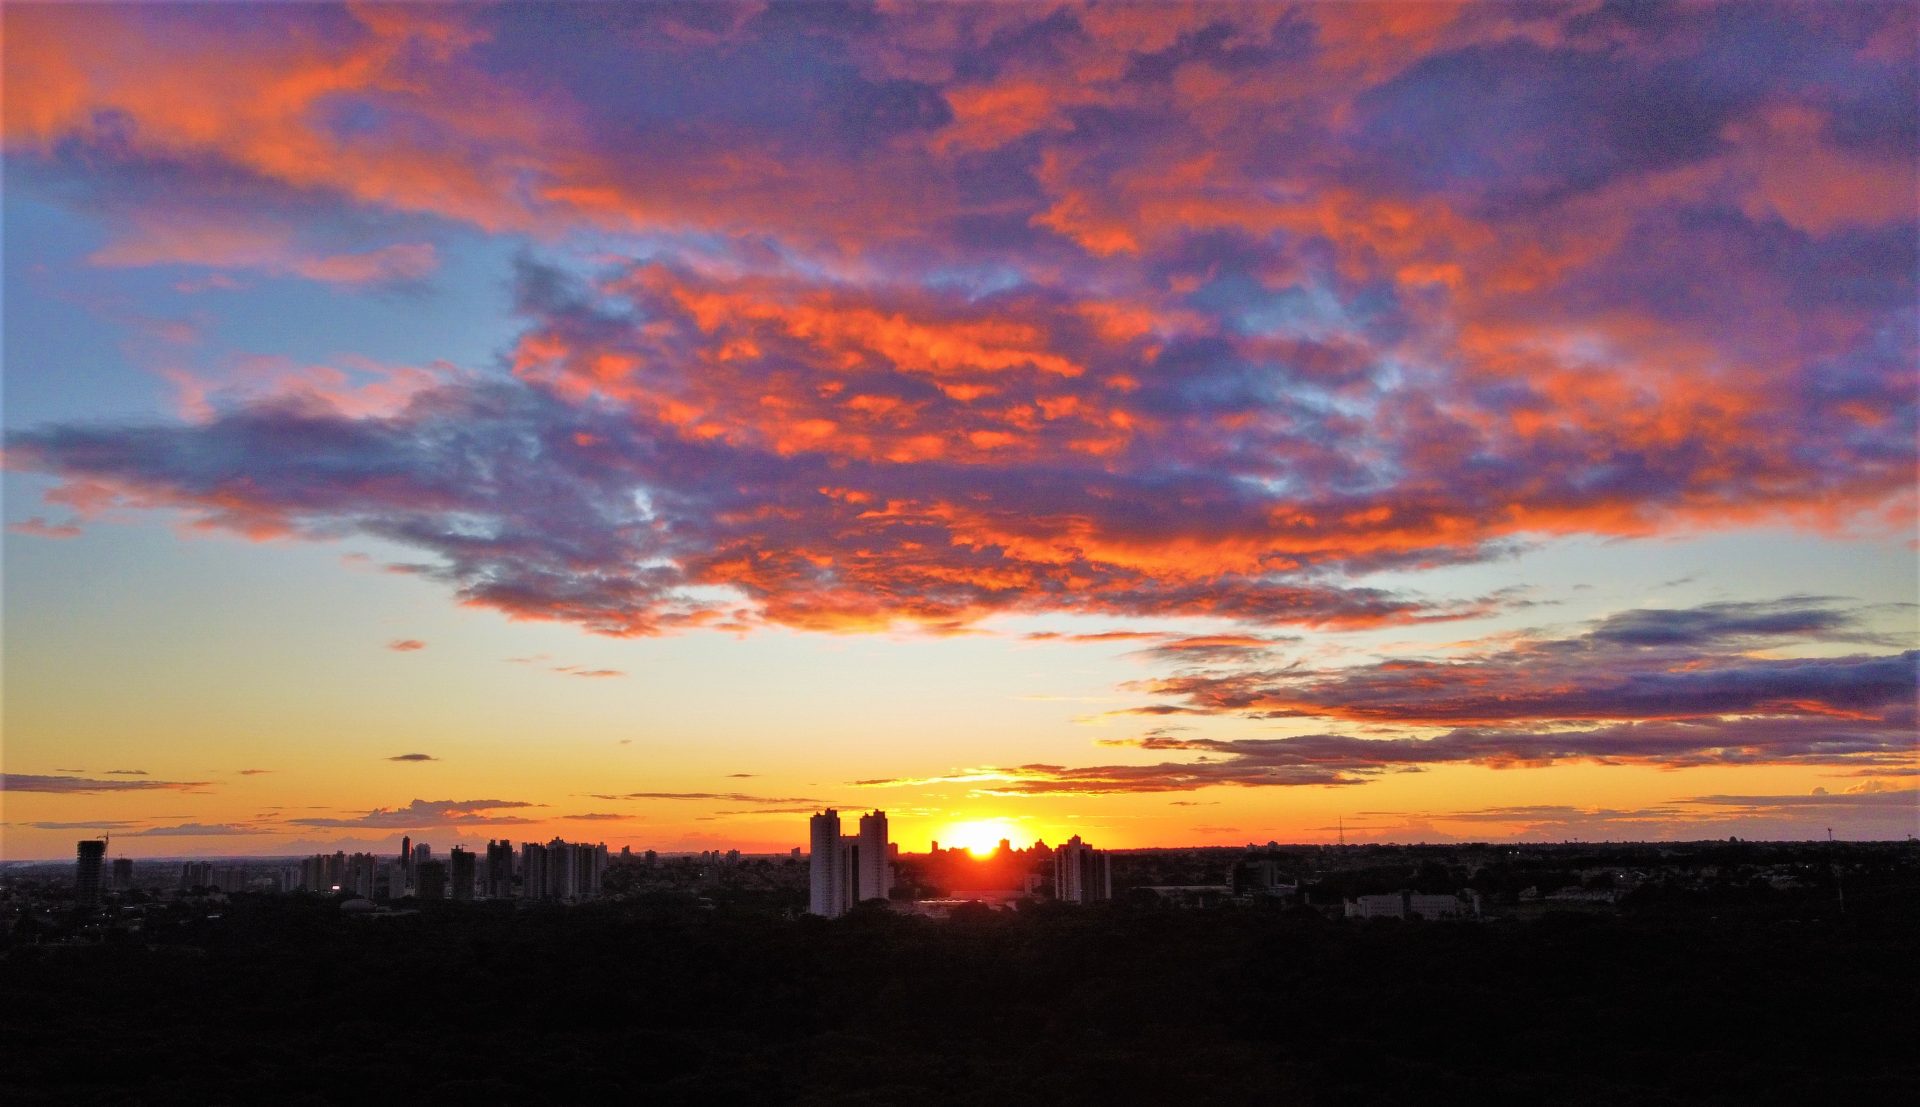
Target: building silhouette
[(1081, 874), (430, 880), (123, 873), (363, 869), (875, 874), (843, 871), (561, 870), (533, 871), (86, 872), (460, 870), (499, 869), (1403, 905)]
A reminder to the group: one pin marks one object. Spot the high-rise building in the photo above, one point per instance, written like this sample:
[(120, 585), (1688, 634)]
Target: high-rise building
[(396, 880), (875, 877), (826, 882), (533, 871), (460, 870), (422, 853), (362, 870), (123, 873), (590, 871), (86, 872), (560, 870), (430, 880), (406, 854), (499, 869), (313, 874), (843, 871), (196, 874), (1081, 874)]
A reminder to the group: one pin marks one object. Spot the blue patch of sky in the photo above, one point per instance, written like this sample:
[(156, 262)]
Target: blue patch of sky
[(69, 336)]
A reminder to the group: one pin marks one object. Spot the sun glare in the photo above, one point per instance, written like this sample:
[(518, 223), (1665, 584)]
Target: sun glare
[(980, 837)]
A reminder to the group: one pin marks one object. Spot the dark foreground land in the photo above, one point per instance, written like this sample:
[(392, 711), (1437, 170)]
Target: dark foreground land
[(287, 1001)]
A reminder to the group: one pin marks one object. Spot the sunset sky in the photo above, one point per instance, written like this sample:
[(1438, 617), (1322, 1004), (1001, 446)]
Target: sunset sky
[(1171, 425)]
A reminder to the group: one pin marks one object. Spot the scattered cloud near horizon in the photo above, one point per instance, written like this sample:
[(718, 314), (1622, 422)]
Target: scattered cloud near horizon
[(1671, 688), (27, 782), (727, 797), (98, 824), (430, 813), (406, 645), (413, 757), (1878, 812), (200, 830)]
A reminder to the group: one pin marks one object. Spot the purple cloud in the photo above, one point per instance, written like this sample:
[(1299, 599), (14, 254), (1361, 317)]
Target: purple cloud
[(429, 813), (1082, 341), (198, 830)]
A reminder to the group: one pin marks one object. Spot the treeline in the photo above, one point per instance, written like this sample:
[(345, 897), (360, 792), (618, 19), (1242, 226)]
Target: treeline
[(287, 1001)]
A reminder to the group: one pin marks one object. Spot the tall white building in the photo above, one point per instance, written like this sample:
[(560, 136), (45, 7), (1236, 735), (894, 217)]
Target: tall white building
[(1081, 874), (827, 882), (842, 871)]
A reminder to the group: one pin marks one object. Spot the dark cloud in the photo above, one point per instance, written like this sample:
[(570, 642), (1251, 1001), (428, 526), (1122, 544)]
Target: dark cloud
[(1339, 759), (26, 782), (1901, 799), (809, 809), (413, 757), (1723, 624), (1527, 688), (197, 830), (1647, 664), (430, 813), (127, 772), (1878, 814), (725, 797)]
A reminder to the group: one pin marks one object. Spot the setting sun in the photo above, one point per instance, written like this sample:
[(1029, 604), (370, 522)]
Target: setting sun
[(980, 837)]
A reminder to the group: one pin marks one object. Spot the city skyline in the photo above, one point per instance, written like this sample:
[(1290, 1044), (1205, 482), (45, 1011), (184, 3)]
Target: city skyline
[(1141, 424)]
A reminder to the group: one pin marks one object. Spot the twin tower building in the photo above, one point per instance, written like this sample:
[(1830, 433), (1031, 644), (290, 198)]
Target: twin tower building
[(847, 870)]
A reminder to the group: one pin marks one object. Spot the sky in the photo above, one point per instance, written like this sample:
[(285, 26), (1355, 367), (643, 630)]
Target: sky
[(1168, 424)]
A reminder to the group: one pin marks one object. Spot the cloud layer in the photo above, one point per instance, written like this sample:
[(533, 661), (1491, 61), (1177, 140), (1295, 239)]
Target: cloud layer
[(1672, 688), (429, 813), (921, 315)]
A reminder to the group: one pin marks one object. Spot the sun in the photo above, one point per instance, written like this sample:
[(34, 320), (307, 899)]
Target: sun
[(981, 836)]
